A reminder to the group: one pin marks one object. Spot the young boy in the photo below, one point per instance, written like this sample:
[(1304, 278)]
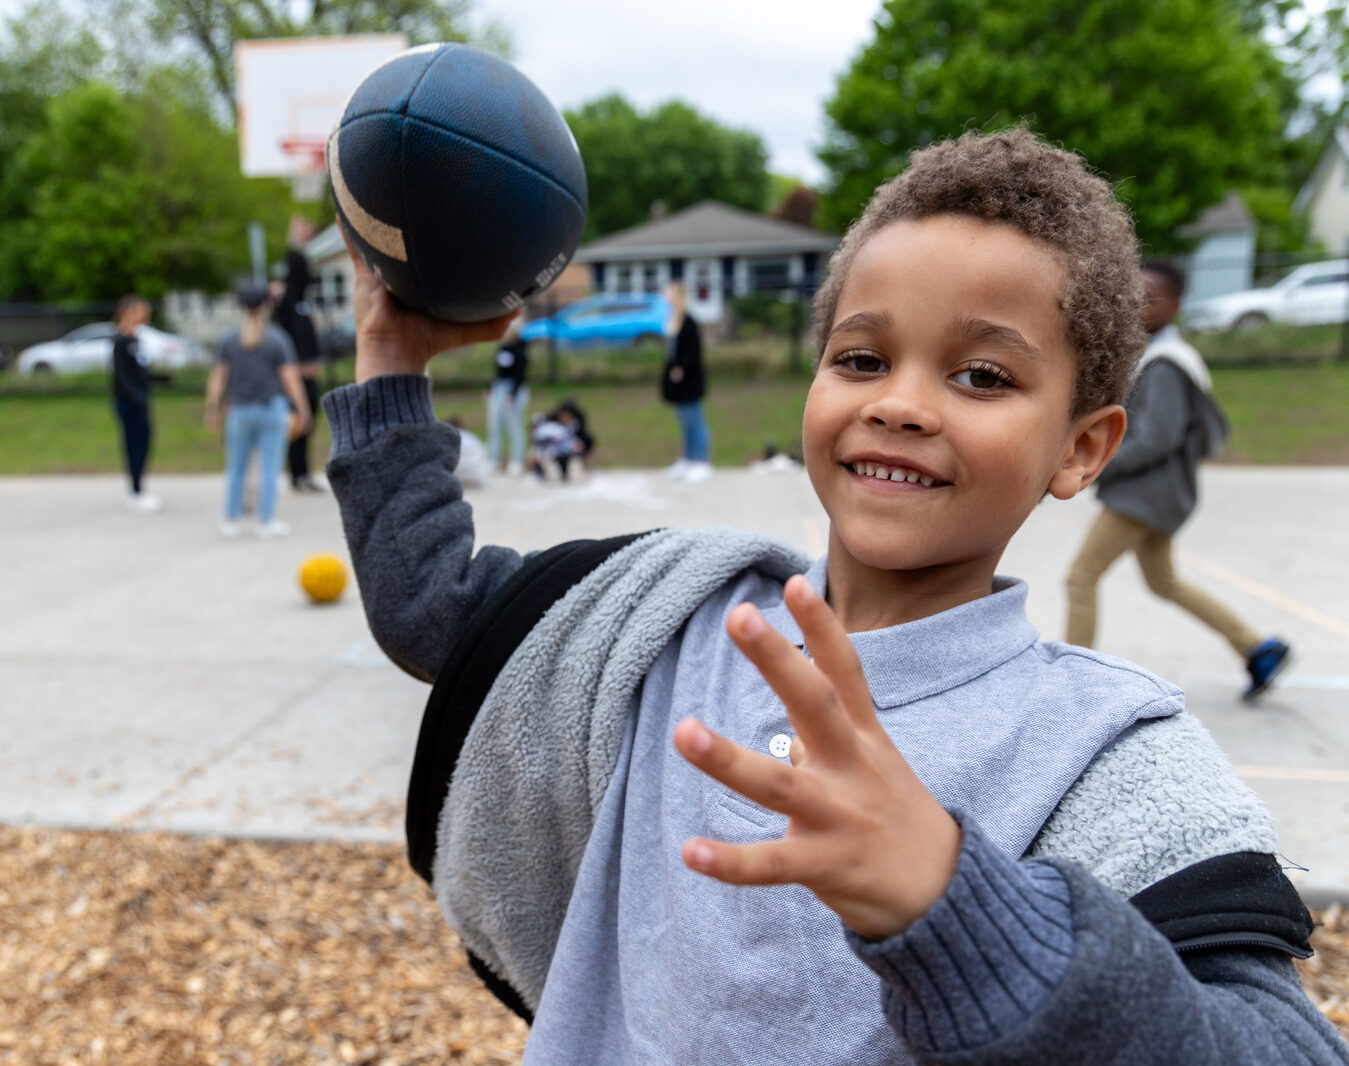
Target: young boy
[(964, 845), (1150, 488)]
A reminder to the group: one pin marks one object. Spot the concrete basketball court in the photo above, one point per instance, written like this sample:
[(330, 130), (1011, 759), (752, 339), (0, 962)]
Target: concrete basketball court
[(154, 676)]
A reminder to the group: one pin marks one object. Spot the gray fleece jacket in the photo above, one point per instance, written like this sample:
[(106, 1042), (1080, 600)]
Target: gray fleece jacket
[(558, 847)]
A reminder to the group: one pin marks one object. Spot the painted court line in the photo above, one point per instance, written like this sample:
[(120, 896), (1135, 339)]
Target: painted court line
[(1269, 595)]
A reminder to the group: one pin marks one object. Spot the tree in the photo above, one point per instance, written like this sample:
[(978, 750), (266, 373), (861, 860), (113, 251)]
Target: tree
[(211, 28), (125, 192), (672, 155), (1176, 101)]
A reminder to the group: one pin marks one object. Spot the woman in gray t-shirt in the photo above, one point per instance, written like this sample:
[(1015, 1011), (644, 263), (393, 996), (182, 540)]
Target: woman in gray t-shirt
[(255, 372)]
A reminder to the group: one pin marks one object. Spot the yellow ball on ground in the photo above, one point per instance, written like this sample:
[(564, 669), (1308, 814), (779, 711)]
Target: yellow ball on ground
[(323, 577)]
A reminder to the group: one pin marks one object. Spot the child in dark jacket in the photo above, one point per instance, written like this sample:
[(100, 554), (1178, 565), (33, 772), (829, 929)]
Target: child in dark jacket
[(1150, 487), (929, 838)]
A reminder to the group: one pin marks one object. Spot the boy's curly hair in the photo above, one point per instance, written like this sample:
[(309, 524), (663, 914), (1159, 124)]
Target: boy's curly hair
[(1014, 177)]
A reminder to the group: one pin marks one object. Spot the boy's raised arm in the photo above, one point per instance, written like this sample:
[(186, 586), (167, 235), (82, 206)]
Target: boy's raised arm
[(408, 528)]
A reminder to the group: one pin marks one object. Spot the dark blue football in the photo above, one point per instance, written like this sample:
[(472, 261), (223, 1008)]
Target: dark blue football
[(458, 182)]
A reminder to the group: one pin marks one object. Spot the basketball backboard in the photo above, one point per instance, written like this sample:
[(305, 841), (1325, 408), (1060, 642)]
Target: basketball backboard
[(291, 93)]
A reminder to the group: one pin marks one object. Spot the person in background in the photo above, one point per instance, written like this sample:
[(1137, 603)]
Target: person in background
[(508, 399), (131, 398), (256, 373), (683, 384), (1150, 487), (558, 438), (292, 315)]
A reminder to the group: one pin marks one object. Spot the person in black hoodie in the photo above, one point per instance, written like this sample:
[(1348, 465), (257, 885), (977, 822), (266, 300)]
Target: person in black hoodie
[(683, 384), (131, 397), (292, 315)]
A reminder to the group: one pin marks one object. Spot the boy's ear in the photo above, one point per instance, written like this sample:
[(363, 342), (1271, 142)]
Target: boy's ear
[(1095, 438)]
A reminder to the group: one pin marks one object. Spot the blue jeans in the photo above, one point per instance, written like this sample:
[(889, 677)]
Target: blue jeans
[(693, 428), (259, 427), (506, 414)]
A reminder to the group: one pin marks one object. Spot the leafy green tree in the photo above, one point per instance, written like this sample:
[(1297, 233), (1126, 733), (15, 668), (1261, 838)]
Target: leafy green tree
[(1176, 101), (672, 155), (138, 191)]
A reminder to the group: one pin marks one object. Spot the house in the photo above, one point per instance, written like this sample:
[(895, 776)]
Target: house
[(719, 251), (1324, 198), (1223, 260)]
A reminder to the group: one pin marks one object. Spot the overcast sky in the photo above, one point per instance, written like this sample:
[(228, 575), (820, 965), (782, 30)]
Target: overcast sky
[(762, 65)]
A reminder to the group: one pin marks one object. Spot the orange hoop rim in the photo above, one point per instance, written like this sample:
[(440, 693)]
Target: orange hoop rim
[(311, 152)]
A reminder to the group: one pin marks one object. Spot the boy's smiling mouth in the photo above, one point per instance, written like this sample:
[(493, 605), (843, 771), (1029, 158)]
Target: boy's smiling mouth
[(893, 472)]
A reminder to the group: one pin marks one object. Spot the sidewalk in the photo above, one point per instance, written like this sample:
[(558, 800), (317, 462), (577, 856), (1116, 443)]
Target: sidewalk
[(155, 676)]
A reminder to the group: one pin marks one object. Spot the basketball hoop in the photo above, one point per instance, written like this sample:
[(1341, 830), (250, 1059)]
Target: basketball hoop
[(310, 178)]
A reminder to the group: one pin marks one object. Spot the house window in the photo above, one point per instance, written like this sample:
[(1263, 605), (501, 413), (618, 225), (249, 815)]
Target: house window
[(339, 283), (769, 274), (623, 279), (651, 277), (702, 282)]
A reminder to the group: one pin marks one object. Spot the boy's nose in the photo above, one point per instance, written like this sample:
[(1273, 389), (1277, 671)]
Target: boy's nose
[(904, 402)]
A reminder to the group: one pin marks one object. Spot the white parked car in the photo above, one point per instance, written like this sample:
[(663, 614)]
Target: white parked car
[(90, 348), (1314, 294)]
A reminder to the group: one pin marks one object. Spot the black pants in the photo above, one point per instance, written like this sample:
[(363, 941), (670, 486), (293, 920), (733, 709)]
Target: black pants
[(135, 419), (297, 459)]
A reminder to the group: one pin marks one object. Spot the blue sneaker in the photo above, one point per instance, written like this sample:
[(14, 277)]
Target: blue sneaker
[(1264, 663)]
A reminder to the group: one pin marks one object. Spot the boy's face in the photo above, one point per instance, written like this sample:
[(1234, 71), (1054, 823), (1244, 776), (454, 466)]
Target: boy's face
[(948, 360), (134, 317), (1160, 304)]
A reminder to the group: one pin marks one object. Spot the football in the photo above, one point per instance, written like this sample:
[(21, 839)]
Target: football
[(458, 182)]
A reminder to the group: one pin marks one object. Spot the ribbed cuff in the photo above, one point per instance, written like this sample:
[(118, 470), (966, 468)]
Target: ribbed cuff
[(357, 414), (985, 957)]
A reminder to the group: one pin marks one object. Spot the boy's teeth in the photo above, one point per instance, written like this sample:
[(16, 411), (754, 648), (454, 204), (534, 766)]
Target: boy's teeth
[(897, 474)]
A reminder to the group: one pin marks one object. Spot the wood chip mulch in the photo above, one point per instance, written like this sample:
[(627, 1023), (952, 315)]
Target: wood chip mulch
[(154, 948)]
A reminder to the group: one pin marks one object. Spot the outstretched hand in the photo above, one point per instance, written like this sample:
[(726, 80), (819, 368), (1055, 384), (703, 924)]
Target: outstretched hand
[(392, 339), (863, 832)]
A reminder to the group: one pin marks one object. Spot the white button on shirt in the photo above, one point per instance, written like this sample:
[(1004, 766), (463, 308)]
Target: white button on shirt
[(780, 746)]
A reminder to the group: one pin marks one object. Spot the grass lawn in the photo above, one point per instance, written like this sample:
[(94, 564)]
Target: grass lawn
[(1289, 414)]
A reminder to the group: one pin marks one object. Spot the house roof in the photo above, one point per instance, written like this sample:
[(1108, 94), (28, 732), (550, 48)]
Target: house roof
[(325, 245), (1230, 216), (709, 228), (1339, 143)]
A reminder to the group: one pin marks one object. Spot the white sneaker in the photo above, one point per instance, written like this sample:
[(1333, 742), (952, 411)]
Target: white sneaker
[(696, 472), (515, 468), (675, 471), (230, 529), (144, 502), (274, 528)]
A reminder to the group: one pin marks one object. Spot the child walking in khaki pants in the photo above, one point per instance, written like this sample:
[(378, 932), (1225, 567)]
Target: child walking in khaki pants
[(1149, 488)]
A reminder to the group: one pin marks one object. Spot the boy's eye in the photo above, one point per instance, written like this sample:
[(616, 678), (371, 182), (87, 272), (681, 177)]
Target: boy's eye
[(983, 378), (859, 362)]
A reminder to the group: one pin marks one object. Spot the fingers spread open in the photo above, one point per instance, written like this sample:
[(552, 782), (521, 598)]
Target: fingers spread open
[(811, 699), (829, 646), (758, 777), (772, 862)]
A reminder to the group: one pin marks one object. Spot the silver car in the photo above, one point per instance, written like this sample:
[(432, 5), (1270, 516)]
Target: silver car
[(1315, 294), (90, 348)]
